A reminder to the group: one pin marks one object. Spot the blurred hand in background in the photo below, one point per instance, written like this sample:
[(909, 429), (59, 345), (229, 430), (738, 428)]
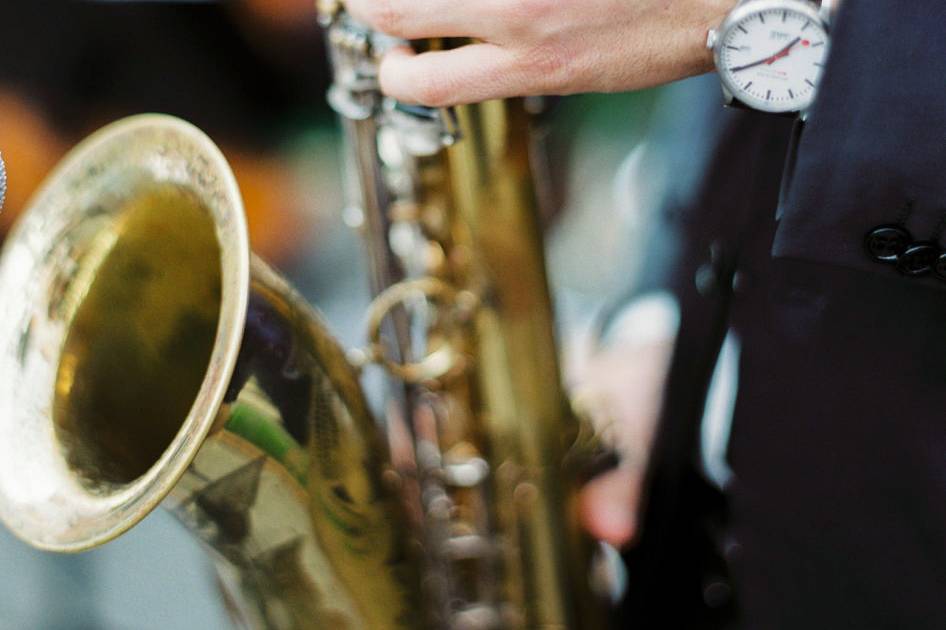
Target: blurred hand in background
[(618, 384)]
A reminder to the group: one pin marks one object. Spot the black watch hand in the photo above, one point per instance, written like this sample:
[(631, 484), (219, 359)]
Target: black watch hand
[(770, 59)]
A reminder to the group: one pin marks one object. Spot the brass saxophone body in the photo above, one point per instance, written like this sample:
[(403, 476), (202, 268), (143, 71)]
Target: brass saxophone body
[(450, 213)]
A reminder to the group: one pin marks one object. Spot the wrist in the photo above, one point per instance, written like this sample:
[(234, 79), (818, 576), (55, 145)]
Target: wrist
[(712, 13)]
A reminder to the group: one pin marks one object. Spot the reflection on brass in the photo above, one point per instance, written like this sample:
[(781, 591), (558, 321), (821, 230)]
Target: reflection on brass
[(142, 321), (146, 356)]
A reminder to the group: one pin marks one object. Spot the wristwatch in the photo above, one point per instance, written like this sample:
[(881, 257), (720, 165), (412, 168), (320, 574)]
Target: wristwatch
[(770, 54)]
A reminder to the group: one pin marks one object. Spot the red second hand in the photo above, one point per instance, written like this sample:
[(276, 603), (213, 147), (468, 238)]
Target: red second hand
[(781, 53)]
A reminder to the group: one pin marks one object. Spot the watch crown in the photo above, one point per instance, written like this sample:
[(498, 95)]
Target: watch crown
[(711, 38)]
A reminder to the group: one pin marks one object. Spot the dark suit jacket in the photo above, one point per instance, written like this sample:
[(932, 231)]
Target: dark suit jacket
[(836, 515)]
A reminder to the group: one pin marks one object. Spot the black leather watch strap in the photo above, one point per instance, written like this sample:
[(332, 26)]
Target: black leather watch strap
[(736, 103)]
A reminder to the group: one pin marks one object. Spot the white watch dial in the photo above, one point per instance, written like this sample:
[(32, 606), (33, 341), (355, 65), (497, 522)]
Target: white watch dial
[(772, 59)]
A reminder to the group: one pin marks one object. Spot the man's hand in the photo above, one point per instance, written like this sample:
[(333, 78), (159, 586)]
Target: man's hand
[(533, 47), (621, 389)]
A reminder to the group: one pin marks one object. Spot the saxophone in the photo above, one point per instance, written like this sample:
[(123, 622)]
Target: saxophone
[(148, 357), (449, 209)]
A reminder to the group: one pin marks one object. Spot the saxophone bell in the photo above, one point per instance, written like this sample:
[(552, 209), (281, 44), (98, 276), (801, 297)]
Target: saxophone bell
[(149, 358)]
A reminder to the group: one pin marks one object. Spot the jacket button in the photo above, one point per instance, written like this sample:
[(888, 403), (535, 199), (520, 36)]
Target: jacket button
[(885, 243), (918, 259), (706, 280), (717, 593), (940, 267)]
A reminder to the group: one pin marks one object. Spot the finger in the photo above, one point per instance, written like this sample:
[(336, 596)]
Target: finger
[(608, 506), (469, 74), (414, 19)]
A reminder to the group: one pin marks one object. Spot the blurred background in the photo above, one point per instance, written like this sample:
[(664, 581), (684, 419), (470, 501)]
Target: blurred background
[(252, 74)]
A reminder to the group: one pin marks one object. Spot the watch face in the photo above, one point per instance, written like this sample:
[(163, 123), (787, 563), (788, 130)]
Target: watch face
[(771, 59)]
